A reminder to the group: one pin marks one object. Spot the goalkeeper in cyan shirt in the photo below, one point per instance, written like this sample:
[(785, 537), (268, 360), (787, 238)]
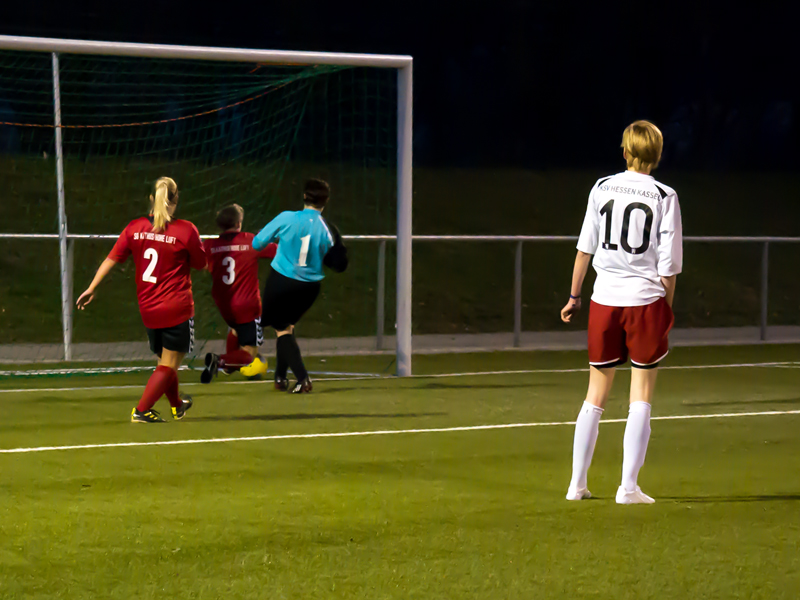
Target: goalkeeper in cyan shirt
[(307, 244)]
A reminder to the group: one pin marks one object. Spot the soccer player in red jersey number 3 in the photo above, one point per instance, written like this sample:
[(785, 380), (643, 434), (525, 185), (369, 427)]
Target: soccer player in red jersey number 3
[(233, 264), (164, 250), (633, 229)]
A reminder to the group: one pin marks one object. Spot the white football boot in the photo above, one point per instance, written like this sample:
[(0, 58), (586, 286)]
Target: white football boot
[(637, 496), (576, 494)]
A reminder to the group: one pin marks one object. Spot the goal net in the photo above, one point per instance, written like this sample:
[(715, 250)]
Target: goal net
[(243, 131)]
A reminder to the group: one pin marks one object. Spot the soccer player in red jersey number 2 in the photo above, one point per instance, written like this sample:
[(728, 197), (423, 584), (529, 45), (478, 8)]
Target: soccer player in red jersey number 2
[(164, 250), (633, 229), (233, 264)]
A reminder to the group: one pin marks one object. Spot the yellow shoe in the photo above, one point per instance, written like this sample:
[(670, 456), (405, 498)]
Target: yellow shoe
[(255, 368), (150, 416)]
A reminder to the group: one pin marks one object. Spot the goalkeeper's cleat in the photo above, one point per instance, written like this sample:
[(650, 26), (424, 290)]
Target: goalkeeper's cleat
[(257, 367), (212, 367), (281, 384), (186, 403), (150, 416), (302, 387)]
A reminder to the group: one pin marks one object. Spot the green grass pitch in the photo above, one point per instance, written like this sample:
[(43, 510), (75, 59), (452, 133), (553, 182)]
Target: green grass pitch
[(472, 513)]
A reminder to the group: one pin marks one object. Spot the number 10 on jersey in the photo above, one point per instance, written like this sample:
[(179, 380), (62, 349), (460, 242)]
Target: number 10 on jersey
[(608, 210)]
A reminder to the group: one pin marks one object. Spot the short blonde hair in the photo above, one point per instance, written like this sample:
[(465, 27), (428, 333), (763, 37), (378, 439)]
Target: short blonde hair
[(642, 142)]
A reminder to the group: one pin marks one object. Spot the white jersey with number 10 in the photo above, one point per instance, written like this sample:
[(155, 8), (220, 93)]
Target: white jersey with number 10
[(633, 229)]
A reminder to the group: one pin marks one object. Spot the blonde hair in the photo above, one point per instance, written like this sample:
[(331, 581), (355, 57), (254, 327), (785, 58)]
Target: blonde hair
[(163, 200), (642, 142)]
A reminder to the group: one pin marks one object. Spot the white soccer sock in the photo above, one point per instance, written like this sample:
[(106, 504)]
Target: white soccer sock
[(634, 445), (586, 428)]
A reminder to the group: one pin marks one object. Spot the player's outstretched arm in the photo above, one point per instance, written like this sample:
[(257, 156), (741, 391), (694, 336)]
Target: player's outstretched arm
[(87, 296), (269, 251), (270, 232), (587, 246), (582, 261)]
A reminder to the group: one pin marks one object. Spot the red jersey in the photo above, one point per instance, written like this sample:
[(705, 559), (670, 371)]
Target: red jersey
[(234, 269), (163, 264)]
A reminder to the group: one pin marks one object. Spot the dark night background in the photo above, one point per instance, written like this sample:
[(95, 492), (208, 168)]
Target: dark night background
[(519, 107), (519, 83)]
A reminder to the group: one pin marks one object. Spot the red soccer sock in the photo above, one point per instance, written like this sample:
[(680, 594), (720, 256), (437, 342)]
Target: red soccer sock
[(156, 386), (236, 359), (232, 343), (172, 391)]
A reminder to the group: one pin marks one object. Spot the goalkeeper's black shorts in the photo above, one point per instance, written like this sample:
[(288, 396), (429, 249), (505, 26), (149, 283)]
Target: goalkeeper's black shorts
[(286, 300)]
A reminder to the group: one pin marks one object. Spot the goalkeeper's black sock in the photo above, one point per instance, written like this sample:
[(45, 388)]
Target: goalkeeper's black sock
[(281, 364), (291, 351)]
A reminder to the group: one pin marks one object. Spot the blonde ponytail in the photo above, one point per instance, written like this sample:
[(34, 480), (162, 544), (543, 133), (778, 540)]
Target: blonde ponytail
[(163, 202)]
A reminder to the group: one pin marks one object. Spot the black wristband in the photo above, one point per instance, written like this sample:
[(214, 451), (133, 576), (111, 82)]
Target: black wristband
[(574, 297)]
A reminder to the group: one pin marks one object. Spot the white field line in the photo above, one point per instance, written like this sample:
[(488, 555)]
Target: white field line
[(301, 436), (586, 369), (125, 370), (83, 371), (368, 377)]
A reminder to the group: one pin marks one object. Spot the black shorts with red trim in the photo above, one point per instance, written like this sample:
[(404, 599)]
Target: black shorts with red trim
[(639, 332)]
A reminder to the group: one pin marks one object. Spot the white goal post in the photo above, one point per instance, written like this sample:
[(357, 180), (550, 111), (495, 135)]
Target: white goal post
[(403, 65)]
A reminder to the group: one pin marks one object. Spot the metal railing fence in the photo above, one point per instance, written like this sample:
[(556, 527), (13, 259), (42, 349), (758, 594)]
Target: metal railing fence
[(518, 240)]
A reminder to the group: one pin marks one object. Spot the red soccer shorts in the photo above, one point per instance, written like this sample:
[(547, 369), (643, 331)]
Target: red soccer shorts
[(641, 332)]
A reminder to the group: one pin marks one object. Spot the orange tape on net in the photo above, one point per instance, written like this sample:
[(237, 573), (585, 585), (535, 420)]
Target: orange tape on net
[(117, 125)]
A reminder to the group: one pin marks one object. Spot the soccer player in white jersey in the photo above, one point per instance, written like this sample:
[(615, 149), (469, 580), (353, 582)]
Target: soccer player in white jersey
[(633, 229)]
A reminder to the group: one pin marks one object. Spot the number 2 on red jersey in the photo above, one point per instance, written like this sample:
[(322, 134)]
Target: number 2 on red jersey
[(151, 255)]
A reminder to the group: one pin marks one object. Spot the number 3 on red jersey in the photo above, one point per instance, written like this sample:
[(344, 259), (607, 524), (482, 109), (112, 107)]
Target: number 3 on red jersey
[(230, 276)]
